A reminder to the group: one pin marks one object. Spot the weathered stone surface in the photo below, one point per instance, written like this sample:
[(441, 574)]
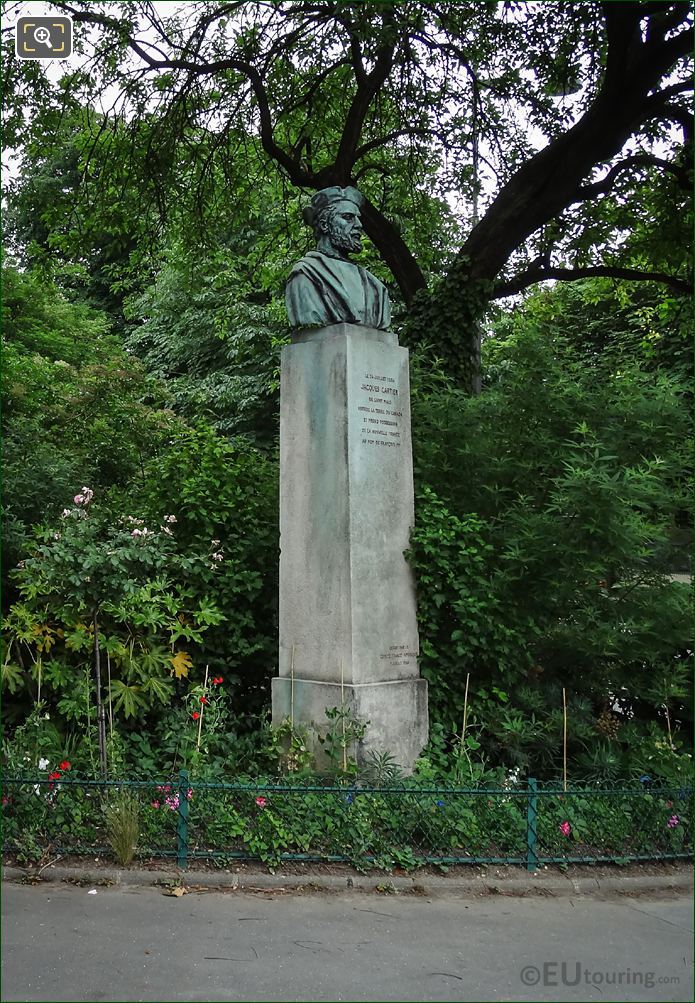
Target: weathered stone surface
[(396, 711), (347, 597)]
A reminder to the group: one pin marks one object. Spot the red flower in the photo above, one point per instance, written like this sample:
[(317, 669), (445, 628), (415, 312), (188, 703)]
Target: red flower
[(203, 699), (65, 765), (217, 680), (195, 715), (54, 776)]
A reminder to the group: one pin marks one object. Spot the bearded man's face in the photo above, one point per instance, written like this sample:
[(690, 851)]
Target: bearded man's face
[(345, 228)]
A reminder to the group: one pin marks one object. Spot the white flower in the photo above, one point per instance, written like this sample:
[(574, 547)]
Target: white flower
[(65, 513), (170, 518), (43, 764)]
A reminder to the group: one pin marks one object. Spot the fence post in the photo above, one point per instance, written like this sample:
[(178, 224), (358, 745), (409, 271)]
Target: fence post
[(532, 826), (182, 825)]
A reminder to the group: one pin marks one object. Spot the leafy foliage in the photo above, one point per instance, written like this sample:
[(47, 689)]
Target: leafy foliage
[(209, 329), (546, 531), (73, 410)]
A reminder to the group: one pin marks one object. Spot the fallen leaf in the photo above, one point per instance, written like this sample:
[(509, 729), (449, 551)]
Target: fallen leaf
[(176, 892)]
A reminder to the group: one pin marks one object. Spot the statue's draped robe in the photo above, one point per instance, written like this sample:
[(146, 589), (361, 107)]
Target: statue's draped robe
[(323, 290)]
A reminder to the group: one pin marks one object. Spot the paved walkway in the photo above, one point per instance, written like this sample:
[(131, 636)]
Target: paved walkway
[(135, 943)]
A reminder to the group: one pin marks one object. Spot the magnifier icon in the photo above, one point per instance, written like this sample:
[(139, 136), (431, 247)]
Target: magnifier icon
[(42, 35)]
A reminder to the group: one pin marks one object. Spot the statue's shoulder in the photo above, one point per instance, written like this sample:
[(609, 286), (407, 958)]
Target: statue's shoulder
[(314, 262), (300, 267)]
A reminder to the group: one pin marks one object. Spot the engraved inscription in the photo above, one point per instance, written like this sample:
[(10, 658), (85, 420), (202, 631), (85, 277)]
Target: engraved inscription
[(380, 415), (398, 654)]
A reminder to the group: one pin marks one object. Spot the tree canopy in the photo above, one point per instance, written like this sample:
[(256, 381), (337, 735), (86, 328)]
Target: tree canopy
[(548, 126)]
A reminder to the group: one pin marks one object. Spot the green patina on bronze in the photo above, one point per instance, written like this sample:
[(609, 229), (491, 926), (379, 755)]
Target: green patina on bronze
[(325, 287)]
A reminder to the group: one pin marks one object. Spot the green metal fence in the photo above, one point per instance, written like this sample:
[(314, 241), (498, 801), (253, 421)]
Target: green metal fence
[(408, 825)]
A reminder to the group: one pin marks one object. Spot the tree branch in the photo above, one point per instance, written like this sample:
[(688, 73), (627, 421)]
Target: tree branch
[(374, 144), (393, 249), (538, 271), (549, 181), (367, 88), (297, 175), (638, 160)]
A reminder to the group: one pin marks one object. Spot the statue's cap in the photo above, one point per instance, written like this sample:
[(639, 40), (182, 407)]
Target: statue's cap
[(326, 197)]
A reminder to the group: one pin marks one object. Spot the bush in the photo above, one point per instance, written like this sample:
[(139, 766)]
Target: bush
[(542, 549)]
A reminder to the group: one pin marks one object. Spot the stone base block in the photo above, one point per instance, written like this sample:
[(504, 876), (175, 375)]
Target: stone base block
[(396, 711)]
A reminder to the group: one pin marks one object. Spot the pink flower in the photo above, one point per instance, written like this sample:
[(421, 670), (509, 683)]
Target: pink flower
[(84, 497), (155, 804), (136, 532), (172, 802), (565, 829), (189, 794), (673, 822), (261, 802)]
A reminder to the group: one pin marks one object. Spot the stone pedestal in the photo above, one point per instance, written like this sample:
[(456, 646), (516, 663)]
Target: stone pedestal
[(348, 630)]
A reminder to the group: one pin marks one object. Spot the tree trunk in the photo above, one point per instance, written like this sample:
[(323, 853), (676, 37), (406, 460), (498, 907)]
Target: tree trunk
[(544, 186), (394, 250)]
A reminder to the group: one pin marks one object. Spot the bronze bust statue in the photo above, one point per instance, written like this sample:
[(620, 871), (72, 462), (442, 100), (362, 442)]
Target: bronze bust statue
[(325, 287)]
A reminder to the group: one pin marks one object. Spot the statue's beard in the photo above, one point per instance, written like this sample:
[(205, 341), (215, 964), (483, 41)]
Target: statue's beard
[(347, 243)]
